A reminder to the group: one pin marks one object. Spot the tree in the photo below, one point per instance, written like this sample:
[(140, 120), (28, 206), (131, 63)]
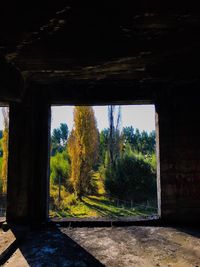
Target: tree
[(132, 179), (64, 133), (128, 133), (60, 169), (4, 171), (103, 145), (115, 138), (115, 144), (142, 142), (152, 141), (1, 139), (56, 136), (82, 147), (59, 139), (131, 174), (137, 142)]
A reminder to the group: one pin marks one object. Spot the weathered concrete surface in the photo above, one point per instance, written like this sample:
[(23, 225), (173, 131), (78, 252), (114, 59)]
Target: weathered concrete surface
[(7, 239), (28, 162), (179, 158), (11, 82), (112, 247), (10, 236)]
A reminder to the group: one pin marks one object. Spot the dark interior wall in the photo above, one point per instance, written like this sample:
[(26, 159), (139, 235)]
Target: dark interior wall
[(180, 156), (28, 161), (19, 167), (179, 148), (29, 141), (11, 82), (86, 52)]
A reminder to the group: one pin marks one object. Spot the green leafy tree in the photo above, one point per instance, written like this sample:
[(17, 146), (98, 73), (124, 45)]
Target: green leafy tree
[(1, 149), (115, 142), (142, 142), (132, 179), (128, 133), (56, 136), (137, 141), (103, 144), (60, 169), (130, 167), (64, 133), (115, 137), (59, 139)]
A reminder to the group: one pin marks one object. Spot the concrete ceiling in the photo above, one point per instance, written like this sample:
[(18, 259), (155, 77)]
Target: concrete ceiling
[(99, 40)]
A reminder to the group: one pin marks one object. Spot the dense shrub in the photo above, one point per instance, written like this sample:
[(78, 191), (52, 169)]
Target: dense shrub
[(60, 168), (131, 178)]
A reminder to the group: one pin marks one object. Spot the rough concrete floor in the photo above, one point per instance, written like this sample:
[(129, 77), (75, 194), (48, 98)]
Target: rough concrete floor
[(127, 246), (6, 240)]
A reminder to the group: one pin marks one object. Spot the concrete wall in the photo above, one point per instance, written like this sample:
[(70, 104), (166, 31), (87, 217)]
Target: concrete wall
[(11, 82), (179, 128), (179, 151), (28, 162)]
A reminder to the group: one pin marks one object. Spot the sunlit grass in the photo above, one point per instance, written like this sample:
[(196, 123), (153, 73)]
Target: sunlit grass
[(100, 184), (94, 206), (97, 206)]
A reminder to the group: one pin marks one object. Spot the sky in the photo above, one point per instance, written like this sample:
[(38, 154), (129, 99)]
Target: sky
[(1, 119), (138, 116)]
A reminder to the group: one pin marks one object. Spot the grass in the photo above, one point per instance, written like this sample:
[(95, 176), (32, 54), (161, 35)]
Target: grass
[(97, 206)]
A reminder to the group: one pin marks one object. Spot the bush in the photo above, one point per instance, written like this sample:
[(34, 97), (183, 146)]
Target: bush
[(60, 167), (54, 196), (70, 200), (131, 178)]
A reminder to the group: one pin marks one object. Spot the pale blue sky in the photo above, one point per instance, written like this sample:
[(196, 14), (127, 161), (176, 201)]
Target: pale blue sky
[(1, 119), (138, 116)]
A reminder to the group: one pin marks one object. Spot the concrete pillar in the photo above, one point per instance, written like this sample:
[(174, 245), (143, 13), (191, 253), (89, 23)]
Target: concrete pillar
[(179, 134), (41, 148), (19, 163), (28, 162)]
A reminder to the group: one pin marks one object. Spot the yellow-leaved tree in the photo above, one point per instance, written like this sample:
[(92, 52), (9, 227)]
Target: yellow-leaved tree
[(83, 149), (5, 112)]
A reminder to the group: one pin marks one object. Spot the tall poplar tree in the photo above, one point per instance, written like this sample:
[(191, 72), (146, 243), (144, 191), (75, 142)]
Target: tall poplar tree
[(82, 147), (115, 138), (5, 112)]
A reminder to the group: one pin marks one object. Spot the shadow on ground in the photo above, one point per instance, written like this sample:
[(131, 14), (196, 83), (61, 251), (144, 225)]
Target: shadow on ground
[(108, 246), (51, 248)]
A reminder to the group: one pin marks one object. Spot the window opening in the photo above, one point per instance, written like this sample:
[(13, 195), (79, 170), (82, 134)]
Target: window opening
[(103, 162), (4, 137)]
